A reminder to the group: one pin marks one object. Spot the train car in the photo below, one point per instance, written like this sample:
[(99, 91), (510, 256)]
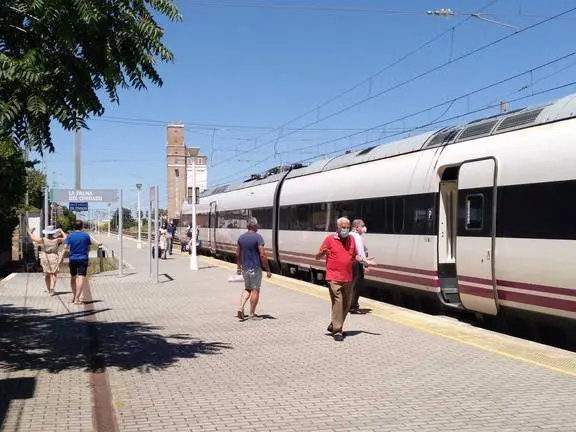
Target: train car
[(477, 216), (225, 212)]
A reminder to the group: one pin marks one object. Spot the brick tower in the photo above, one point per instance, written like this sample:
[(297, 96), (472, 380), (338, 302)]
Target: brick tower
[(175, 170)]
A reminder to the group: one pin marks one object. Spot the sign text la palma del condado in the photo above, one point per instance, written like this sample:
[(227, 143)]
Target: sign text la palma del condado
[(84, 195)]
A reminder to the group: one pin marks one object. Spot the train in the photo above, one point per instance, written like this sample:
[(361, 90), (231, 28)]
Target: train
[(479, 216)]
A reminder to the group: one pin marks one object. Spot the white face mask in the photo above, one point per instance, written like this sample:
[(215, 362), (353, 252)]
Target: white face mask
[(364, 229)]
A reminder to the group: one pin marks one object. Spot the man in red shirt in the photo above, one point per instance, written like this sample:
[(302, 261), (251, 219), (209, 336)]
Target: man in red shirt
[(340, 252)]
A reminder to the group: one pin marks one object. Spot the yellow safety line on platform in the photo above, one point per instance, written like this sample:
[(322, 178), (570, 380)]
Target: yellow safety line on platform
[(533, 353)]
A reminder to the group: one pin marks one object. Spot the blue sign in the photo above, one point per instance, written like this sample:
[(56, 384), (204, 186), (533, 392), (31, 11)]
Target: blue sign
[(78, 206)]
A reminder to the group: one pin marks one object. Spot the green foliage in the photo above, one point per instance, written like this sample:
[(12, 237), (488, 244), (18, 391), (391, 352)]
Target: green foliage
[(66, 220), (127, 219), (36, 182), (57, 55), (13, 175)]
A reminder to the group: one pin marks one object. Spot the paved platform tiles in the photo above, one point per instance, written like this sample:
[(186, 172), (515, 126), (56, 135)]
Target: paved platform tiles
[(178, 360)]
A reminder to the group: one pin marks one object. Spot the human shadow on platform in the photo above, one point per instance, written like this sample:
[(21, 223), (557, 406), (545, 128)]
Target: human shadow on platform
[(357, 332), (12, 389), (31, 339)]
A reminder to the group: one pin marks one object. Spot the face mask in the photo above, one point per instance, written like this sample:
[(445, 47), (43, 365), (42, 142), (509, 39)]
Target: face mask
[(364, 229), (344, 232)]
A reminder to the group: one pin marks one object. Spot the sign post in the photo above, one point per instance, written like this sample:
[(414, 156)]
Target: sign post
[(78, 200)]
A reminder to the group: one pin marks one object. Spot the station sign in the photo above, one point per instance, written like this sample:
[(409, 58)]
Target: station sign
[(84, 195), (78, 206)]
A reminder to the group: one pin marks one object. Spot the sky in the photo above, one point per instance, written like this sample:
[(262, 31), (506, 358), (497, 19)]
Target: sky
[(262, 83)]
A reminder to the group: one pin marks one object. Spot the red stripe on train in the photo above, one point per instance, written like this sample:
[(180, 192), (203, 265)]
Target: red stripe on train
[(520, 285)]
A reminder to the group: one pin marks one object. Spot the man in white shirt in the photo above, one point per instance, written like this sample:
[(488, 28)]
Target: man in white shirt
[(358, 229)]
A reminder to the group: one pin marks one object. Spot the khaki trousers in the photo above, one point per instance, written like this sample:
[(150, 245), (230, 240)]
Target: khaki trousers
[(340, 298)]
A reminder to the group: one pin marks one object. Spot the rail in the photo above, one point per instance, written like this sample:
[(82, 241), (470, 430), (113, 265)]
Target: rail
[(143, 236)]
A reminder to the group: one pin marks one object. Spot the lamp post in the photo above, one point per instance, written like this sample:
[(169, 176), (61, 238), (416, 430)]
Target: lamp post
[(109, 220), (139, 244), (193, 257)]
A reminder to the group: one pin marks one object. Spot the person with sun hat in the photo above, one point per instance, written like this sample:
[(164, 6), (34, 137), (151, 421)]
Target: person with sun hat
[(50, 255)]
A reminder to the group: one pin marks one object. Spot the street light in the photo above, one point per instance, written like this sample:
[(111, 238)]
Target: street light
[(139, 244), (109, 220)]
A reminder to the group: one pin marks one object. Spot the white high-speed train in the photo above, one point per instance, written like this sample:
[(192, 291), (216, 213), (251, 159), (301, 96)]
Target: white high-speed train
[(480, 216)]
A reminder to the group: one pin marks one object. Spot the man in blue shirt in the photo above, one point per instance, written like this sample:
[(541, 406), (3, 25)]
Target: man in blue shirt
[(78, 245), (251, 257)]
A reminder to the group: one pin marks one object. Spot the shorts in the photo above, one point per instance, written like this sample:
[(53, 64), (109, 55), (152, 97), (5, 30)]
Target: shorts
[(252, 278), (79, 268)]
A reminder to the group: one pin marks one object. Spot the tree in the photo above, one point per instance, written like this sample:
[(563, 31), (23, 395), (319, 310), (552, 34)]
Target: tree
[(57, 55), (18, 177), (66, 220), (35, 185), (127, 219), (13, 175)]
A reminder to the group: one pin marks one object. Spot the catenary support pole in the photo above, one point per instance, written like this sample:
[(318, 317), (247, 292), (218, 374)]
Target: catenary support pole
[(139, 244), (121, 234), (46, 208), (193, 256), (77, 166), (149, 220), (156, 233)]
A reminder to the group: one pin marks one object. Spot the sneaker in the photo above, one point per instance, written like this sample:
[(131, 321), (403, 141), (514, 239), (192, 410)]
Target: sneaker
[(338, 337), (240, 315), (330, 328)]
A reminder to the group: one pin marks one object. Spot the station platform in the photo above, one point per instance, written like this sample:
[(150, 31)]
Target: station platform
[(172, 356)]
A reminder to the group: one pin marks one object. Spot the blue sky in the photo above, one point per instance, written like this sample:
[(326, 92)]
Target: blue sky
[(242, 72)]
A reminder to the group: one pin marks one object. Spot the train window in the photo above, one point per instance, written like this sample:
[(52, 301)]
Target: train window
[(374, 214), (399, 208), (285, 217), (320, 221), (349, 209), (419, 214), (303, 218), (474, 212)]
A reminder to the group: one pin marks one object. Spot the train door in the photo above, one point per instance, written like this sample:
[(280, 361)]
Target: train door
[(475, 239), (447, 230), (212, 221)]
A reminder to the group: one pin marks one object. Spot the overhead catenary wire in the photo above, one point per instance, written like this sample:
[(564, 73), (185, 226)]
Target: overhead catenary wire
[(468, 113), (367, 80), (194, 126), (451, 101), (456, 117), (349, 9), (421, 75), (419, 112)]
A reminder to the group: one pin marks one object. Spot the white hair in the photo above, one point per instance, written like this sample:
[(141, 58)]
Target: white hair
[(342, 220)]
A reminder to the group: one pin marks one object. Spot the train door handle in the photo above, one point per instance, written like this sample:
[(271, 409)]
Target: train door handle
[(487, 255)]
